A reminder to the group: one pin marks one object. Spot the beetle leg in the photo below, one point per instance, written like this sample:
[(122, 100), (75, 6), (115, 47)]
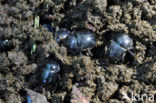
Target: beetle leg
[(132, 47), (131, 53), (80, 53), (123, 59), (89, 53)]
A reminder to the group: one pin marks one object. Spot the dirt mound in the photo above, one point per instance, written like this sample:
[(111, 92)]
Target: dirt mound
[(97, 79)]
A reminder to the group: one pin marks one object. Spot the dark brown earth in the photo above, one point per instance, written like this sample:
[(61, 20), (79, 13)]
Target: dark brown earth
[(98, 80)]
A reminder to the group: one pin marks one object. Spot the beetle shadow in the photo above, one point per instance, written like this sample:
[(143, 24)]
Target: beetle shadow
[(144, 69)]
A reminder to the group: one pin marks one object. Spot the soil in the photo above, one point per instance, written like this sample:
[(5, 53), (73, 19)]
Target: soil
[(99, 80)]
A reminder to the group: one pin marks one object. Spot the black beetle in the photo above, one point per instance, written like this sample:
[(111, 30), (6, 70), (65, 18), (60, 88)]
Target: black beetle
[(50, 72), (116, 49), (76, 41), (80, 41), (61, 35), (3, 44)]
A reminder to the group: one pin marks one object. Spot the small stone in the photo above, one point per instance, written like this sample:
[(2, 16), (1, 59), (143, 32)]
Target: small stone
[(36, 97), (77, 96)]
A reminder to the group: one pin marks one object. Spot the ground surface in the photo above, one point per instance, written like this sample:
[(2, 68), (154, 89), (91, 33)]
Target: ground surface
[(97, 79)]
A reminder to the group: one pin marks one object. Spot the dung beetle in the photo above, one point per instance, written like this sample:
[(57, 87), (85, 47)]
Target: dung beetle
[(61, 35), (3, 44), (116, 49), (80, 41), (50, 72)]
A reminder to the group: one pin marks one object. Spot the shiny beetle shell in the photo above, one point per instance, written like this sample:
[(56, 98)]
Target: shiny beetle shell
[(114, 52), (116, 49), (71, 43), (61, 35), (3, 44), (124, 41), (86, 40), (80, 41), (50, 72)]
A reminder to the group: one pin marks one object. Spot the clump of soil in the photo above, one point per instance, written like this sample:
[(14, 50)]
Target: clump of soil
[(98, 80)]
